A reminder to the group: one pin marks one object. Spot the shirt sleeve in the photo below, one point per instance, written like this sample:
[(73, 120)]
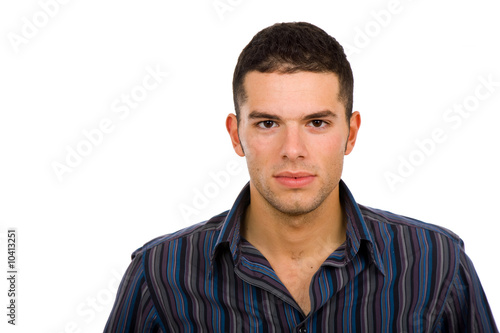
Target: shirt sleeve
[(134, 310), (466, 309)]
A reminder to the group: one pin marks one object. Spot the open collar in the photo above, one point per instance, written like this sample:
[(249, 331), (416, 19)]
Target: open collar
[(357, 231)]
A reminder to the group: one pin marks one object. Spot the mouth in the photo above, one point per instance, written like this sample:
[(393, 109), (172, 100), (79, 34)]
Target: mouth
[(294, 179), (291, 174)]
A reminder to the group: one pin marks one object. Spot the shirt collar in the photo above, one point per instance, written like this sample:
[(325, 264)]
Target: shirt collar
[(230, 229), (357, 231)]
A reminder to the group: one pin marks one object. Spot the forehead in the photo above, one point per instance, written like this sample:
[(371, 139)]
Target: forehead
[(296, 93)]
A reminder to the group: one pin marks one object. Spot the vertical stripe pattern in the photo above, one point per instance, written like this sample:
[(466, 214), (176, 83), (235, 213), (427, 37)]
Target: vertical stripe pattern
[(393, 274)]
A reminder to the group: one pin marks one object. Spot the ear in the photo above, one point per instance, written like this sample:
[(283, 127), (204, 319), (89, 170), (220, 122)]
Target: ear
[(354, 125), (232, 129)]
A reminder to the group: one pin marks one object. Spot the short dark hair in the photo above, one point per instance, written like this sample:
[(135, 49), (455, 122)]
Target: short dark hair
[(293, 47)]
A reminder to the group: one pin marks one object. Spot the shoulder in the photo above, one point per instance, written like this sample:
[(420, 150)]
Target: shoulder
[(209, 228), (413, 248), (377, 218), (399, 238)]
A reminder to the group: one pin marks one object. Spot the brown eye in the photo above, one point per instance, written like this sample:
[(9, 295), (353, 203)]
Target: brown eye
[(317, 123), (266, 124)]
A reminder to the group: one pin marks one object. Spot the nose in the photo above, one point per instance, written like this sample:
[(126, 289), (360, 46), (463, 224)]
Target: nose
[(293, 145)]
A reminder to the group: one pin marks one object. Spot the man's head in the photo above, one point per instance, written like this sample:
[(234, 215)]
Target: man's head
[(293, 126), (290, 48)]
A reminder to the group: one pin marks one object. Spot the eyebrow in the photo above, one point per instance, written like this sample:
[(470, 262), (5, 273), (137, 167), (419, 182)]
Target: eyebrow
[(320, 114), (315, 115), (260, 115)]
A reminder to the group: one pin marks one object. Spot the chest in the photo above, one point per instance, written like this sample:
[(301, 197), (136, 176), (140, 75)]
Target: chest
[(335, 298), (296, 277)]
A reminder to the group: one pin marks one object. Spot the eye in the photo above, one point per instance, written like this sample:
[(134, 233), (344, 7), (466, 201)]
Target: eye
[(267, 124), (318, 123)]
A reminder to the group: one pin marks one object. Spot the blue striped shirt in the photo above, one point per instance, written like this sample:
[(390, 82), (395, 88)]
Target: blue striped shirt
[(392, 274)]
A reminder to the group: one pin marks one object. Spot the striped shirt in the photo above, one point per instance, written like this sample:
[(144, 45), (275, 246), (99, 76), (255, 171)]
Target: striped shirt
[(392, 274)]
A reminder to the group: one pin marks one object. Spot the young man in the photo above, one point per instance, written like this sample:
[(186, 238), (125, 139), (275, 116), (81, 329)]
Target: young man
[(296, 253)]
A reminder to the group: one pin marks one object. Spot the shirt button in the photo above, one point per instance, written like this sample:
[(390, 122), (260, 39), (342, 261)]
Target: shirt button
[(302, 330)]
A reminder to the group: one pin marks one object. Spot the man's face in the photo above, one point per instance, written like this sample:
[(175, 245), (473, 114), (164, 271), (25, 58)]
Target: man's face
[(294, 134)]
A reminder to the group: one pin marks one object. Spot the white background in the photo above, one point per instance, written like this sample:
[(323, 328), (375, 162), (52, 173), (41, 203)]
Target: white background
[(75, 235)]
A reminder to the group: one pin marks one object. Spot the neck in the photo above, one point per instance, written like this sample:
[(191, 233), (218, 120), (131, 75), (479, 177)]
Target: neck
[(275, 234)]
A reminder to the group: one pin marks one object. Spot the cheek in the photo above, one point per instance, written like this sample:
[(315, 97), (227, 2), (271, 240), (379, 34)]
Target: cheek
[(331, 151), (260, 146), (258, 160), (330, 143)]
